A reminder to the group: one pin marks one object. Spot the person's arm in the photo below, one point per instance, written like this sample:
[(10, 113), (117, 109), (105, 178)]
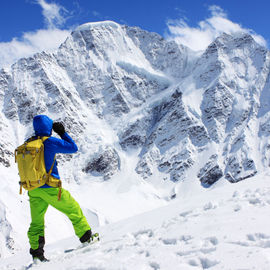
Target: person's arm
[(64, 145)]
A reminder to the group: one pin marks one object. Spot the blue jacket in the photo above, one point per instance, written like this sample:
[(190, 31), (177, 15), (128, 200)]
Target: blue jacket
[(43, 127)]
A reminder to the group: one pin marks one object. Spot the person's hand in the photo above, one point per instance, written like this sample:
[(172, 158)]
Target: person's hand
[(59, 128)]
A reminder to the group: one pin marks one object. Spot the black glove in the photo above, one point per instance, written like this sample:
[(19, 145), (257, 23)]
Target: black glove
[(59, 128)]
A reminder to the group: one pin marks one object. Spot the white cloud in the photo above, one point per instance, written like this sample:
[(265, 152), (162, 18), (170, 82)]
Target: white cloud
[(54, 14), (31, 43), (48, 39), (198, 38)]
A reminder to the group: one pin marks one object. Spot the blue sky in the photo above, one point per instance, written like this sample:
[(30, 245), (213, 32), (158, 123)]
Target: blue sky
[(28, 26)]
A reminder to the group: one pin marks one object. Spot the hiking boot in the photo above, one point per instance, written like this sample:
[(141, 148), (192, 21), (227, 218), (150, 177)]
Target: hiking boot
[(38, 254), (86, 237), (40, 258)]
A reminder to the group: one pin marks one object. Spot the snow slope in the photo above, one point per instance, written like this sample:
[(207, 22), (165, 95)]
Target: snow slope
[(224, 227)]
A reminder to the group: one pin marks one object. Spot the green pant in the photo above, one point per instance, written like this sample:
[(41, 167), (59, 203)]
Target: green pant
[(40, 199)]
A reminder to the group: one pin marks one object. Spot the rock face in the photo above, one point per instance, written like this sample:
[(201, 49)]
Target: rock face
[(132, 100), (211, 172), (153, 95), (105, 163)]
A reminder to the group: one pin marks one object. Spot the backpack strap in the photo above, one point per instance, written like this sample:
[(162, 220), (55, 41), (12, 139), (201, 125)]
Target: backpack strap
[(50, 171), (60, 191), (43, 140), (21, 188), (59, 183)]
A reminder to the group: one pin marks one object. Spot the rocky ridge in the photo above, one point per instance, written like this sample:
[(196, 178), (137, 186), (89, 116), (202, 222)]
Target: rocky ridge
[(110, 71)]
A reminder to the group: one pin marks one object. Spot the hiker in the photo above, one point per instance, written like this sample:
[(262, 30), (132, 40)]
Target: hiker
[(40, 198)]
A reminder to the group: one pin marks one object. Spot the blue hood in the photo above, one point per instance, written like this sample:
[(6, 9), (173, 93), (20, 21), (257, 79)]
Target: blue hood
[(42, 125)]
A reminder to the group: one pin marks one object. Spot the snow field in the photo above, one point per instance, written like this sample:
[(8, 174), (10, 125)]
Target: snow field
[(225, 227)]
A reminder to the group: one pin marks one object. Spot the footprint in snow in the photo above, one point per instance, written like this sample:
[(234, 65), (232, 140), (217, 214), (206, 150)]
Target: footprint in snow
[(186, 238), (255, 201), (259, 239), (237, 208), (185, 214), (209, 245), (173, 241), (144, 233), (205, 263), (144, 252), (212, 239), (209, 206), (188, 214), (154, 265), (170, 241), (236, 194), (255, 240)]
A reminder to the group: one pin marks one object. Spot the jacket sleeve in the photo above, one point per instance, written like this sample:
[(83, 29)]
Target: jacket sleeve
[(64, 145)]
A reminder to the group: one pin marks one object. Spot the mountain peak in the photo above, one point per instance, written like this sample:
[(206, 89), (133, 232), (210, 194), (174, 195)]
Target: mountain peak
[(92, 25), (235, 40)]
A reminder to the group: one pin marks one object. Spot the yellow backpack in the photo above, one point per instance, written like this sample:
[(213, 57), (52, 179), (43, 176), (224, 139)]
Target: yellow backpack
[(31, 165)]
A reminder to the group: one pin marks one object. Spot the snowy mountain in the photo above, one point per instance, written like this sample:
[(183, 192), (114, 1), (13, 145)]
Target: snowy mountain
[(153, 121)]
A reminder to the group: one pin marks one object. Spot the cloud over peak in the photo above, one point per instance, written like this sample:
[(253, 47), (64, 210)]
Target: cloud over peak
[(198, 38), (47, 39), (54, 14)]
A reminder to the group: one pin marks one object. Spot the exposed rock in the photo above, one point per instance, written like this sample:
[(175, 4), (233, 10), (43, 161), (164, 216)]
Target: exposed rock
[(239, 169), (212, 175), (216, 108), (5, 155), (105, 163), (210, 172)]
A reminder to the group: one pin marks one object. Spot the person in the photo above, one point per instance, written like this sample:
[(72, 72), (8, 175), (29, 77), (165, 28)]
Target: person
[(40, 198)]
